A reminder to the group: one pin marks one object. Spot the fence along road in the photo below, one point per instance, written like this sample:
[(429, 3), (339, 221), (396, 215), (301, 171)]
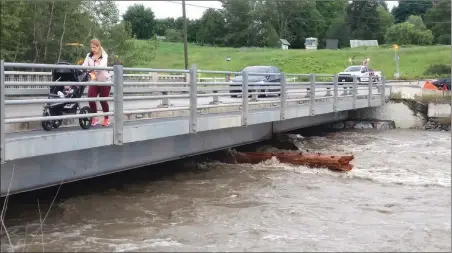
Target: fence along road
[(197, 99)]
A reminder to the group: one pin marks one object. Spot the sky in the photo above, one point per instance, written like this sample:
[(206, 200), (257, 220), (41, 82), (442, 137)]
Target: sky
[(194, 9)]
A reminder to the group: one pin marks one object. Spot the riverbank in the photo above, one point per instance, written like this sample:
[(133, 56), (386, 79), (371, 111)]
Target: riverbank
[(171, 55)]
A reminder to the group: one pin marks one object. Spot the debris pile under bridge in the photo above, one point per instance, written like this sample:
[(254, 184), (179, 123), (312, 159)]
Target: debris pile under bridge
[(336, 163)]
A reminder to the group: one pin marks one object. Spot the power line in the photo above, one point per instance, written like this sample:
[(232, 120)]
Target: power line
[(195, 5)]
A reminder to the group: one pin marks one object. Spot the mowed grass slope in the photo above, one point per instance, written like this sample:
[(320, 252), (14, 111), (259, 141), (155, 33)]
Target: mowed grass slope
[(412, 63)]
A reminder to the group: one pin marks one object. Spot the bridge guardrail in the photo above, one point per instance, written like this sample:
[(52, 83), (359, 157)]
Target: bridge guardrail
[(315, 87)]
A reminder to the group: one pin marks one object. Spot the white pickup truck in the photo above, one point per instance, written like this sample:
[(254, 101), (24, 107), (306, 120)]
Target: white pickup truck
[(363, 73)]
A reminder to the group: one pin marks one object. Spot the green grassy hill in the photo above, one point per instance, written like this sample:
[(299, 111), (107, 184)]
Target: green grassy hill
[(413, 60)]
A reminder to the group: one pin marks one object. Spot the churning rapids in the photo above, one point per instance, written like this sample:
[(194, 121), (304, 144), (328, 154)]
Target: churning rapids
[(397, 198)]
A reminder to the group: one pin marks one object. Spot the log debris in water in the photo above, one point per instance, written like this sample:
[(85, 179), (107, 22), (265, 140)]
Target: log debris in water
[(337, 163)]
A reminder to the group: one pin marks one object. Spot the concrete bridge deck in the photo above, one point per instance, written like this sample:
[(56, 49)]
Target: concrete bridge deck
[(37, 158)]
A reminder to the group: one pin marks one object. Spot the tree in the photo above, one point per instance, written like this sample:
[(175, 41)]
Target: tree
[(174, 35), (438, 20), (33, 31), (408, 8), (211, 28), (161, 25), (386, 20), (12, 16), (408, 34), (141, 19), (333, 12), (339, 30), (417, 22), (363, 20), (239, 20)]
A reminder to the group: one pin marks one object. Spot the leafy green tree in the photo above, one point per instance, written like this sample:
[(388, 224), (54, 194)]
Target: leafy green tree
[(339, 30), (238, 17), (385, 20), (174, 35), (407, 8), (417, 22), (211, 28), (12, 37), (408, 34), (438, 20), (363, 20), (142, 21)]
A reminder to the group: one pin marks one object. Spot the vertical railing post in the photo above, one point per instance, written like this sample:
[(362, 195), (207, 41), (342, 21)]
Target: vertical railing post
[(355, 90), (165, 101), (344, 87), (383, 90), (283, 96), (118, 96), (369, 93), (335, 91), (328, 91), (2, 111), (244, 98), (216, 98), (312, 95), (193, 99)]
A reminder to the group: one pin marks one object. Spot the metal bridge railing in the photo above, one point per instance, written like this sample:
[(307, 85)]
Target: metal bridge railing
[(302, 89)]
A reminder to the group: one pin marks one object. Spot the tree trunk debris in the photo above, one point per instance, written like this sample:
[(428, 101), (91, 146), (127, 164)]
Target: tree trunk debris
[(336, 163)]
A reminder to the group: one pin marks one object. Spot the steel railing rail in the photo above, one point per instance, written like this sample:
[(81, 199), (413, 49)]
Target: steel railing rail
[(55, 100), (317, 88), (53, 66), (156, 70), (60, 83), (50, 118)]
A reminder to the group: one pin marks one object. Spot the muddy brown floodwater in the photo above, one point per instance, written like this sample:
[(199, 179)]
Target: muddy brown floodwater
[(397, 198)]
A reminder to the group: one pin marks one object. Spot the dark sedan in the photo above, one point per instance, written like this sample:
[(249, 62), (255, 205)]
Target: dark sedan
[(274, 75)]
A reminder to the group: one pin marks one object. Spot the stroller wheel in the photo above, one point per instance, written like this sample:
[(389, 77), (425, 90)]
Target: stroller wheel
[(85, 123), (57, 123), (47, 125)]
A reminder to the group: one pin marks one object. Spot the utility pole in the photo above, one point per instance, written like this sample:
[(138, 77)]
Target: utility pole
[(185, 34)]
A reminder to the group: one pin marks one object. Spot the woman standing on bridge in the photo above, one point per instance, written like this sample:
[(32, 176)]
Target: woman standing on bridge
[(98, 58)]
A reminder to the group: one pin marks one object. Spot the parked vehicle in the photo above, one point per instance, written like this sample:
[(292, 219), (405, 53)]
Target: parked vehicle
[(274, 76), (440, 84), (363, 73)]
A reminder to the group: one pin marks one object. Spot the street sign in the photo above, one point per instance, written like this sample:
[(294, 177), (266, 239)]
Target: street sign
[(395, 46)]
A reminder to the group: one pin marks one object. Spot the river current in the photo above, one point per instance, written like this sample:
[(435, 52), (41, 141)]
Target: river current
[(396, 198)]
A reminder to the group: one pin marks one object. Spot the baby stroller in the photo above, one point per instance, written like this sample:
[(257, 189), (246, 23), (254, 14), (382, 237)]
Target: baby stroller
[(60, 108)]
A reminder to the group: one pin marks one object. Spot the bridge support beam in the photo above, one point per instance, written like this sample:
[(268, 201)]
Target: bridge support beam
[(118, 94)]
